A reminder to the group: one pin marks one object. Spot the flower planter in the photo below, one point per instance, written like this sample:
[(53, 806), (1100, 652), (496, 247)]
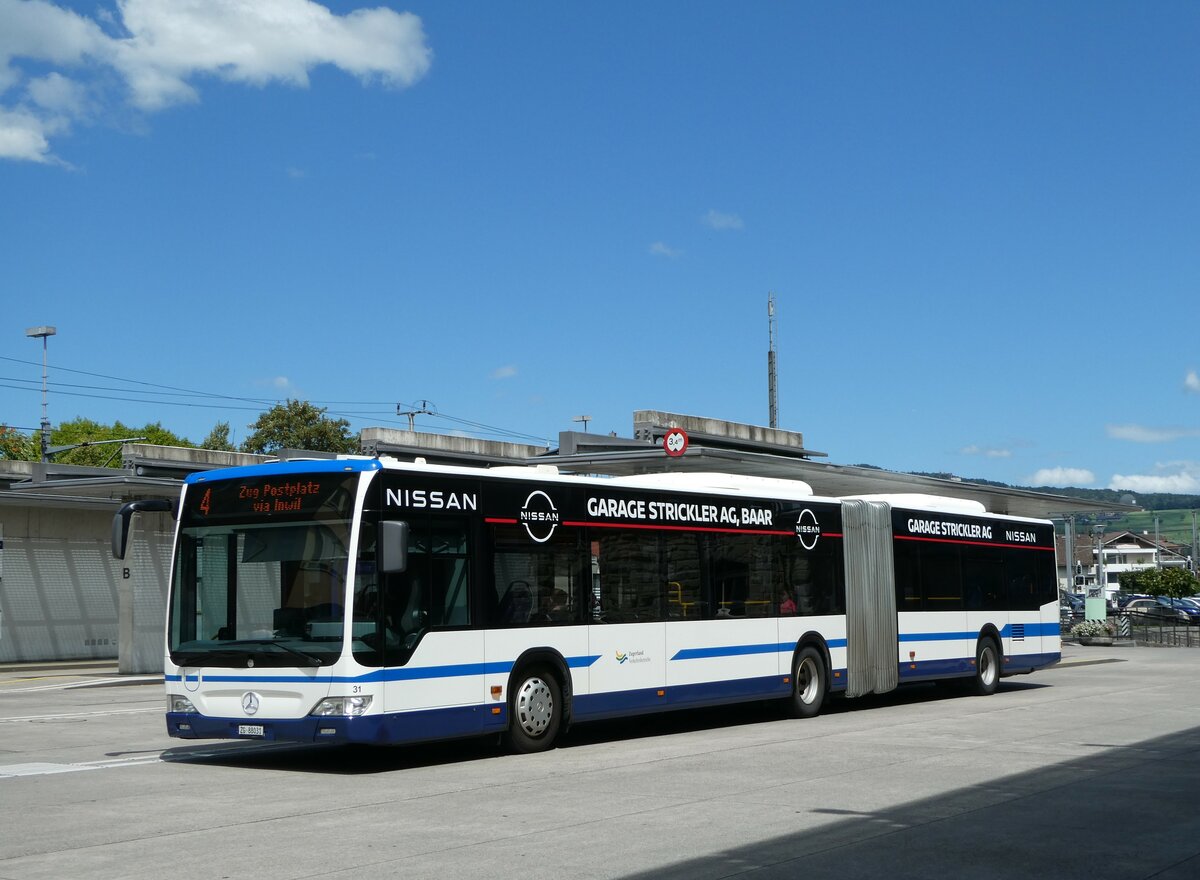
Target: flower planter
[(1095, 640)]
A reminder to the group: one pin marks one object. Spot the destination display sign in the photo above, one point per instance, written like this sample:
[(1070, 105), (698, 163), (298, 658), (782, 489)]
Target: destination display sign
[(292, 495)]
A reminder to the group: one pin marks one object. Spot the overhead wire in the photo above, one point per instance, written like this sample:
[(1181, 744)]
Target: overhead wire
[(228, 401)]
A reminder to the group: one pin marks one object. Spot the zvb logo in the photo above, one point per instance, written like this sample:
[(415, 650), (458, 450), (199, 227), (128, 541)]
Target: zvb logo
[(539, 516), (621, 658), (808, 530), (250, 702)]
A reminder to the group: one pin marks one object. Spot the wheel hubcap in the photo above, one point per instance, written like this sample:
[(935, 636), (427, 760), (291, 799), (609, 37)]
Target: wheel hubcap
[(535, 706), (806, 681), (987, 666)]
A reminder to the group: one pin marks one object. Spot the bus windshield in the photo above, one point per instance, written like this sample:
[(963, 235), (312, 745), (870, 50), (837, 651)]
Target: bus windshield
[(261, 587)]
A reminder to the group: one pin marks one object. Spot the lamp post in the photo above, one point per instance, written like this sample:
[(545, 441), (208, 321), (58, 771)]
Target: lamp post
[(43, 333)]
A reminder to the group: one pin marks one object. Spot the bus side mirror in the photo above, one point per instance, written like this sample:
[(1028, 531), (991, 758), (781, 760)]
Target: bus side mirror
[(393, 546), (120, 524)]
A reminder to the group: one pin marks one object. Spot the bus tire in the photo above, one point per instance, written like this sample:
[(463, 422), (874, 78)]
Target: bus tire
[(987, 668), (535, 711), (810, 682)]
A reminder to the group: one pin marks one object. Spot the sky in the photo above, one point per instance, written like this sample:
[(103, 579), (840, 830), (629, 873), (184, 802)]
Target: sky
[(980, 222)]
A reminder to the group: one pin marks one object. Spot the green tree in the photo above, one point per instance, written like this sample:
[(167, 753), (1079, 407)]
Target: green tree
[(218, 439), (85, 432), (1160, 582), (299, 424), (16, 446)]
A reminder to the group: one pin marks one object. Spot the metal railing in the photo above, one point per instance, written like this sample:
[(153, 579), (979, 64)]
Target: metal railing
[(1143, 631)]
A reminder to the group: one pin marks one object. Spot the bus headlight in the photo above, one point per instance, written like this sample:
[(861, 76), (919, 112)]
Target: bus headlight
[(347, 706), (176, 703)]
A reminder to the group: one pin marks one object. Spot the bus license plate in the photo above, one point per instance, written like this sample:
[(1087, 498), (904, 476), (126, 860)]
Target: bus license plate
[(250, 730)]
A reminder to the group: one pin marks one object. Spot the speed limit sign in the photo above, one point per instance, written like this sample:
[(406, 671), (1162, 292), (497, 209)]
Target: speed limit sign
[(675, 442)]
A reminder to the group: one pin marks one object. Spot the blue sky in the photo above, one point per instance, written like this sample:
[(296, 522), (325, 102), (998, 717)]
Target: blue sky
[(980, 221)]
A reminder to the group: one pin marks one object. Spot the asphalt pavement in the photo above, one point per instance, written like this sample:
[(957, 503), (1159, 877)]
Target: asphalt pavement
[(1088, 770)]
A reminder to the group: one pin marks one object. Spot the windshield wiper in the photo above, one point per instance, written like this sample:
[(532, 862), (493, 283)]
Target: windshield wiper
[(311, 658)]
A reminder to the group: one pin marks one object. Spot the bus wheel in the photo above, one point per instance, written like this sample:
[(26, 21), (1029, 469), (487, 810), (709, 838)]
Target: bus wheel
[(808, 684), (535, 709), (987, 668)]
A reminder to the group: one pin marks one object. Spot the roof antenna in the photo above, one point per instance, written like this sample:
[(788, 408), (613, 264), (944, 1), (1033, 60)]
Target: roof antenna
[(772, 387)]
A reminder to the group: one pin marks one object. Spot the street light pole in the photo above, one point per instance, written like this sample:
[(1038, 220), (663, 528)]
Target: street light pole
[(43, 333)]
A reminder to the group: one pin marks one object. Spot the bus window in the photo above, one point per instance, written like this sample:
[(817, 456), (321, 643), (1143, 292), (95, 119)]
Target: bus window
[(941, 578), (742, 573), (632, 585), (817, 579), (535, 584), (686, 597), (984, 579), (905, 560), (392, 612)]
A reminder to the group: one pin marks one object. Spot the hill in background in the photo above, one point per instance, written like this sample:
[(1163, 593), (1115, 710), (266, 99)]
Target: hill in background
[(1174, 511)]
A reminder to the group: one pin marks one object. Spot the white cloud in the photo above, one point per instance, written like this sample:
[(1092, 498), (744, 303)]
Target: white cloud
[(719, 220), (1192, 382), (508, 371), (56, 93), (23, 136), (1143, 434), (261, 42), (1177, 483), (1061, 476), (280, 384), (985, 451), (158, 47), (659, 249), (1171, 476), (41, 31)]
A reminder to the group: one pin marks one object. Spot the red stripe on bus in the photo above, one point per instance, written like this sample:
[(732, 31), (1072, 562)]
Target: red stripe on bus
[(972, 543)]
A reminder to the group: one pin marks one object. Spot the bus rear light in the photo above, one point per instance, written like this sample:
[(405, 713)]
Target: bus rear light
[(496, 710), (662, 693)]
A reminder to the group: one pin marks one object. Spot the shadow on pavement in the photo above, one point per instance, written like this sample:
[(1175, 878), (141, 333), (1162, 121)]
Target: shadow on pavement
[(1127, 812)]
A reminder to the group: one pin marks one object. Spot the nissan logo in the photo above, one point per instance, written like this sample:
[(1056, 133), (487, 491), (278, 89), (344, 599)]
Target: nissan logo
[(250, 702), (539, 516)]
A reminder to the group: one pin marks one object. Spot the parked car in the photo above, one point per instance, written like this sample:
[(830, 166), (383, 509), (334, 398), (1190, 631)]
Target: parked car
[(1070, 604), (1153, 611), (1124, 599), (1188, 606)]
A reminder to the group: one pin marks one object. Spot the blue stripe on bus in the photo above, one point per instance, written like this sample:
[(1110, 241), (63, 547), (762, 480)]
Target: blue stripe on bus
[(744, 650), (416, 673), (1032, 630), (401, 673)]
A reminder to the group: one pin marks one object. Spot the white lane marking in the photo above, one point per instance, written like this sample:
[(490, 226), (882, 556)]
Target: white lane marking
[(39, 769), (92, 682), (65, 715)]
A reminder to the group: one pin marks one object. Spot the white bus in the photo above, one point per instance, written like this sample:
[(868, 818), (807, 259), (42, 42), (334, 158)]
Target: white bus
[(369, 600)]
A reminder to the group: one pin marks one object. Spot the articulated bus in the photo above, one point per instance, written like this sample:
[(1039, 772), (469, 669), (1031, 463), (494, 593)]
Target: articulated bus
[(378, 601)]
